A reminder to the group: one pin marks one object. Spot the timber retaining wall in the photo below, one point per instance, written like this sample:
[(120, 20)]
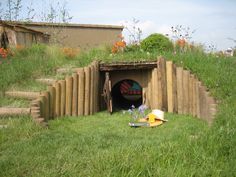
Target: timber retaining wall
[(170, 88)]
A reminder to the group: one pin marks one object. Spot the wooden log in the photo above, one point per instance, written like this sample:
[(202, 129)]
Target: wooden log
[(162, 69), (174, 87), (170, 86), (21, 94), (190, 91), (62, 97), (45, 81), (52, 101), (91, 94), (32, 110), (35, 109), (69, 90), (115, 66), (58, 99), (159, 88), (150, 91), (75, 95), (87, 91), (155, 89), (186, 91), (203, 105), (198, 85), (35, 103), (194, 98), (212, 107), (42, 106), (179, 78), (81, 92), (7, 112), (208, 107), (46, 105), (96, 86)]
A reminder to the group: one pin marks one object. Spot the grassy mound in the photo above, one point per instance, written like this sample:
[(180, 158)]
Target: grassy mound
[(101, 145)]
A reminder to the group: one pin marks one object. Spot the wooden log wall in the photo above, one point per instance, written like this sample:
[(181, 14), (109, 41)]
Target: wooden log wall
[(169, 88), (77, 95), (176, 90)]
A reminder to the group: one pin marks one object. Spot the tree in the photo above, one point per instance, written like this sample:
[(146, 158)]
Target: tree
[(13, 10)]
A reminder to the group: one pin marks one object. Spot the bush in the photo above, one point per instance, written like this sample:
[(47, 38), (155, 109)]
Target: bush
[(156, 42)]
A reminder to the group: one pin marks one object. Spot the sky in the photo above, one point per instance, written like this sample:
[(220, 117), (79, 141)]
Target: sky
[(213, 20)]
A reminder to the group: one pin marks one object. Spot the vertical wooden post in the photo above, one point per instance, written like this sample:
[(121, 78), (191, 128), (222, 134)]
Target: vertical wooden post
[(58, 99), (87, 91), (175, 101), (170, 91), (191, 80), (46, 96), (194, 97), (91, 94), (208, 103), (212, 109), (81, 91), (96, 86), (159, 88), (162, 68), (35, 109), (154, 89), (42, 100), (198, 85), (186, 91), (202, 99), (63, 97), (52, 100), (69, 86), (75, 95), (149, 91), (179, 78)]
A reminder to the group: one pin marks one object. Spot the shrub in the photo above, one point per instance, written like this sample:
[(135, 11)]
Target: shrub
[(156, 42)]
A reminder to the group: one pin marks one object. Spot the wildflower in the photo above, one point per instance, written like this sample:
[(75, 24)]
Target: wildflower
[(70, 52), (119, 45), (3, 53), (130, 111), (142, 109), (181, 42)]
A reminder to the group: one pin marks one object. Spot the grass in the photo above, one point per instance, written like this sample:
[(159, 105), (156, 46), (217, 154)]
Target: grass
[(102, 145), (12, 102)]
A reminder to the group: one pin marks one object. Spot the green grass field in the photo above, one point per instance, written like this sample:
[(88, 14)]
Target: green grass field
[(104, 145)]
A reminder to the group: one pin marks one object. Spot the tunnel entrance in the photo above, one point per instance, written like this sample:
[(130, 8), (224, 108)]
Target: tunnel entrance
[(126, 93)]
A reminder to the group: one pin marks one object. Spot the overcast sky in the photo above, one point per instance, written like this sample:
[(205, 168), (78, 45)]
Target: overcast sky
[(214, 20)]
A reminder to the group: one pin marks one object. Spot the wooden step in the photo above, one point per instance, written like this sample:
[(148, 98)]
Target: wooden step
[(22, 94), (5, 111)]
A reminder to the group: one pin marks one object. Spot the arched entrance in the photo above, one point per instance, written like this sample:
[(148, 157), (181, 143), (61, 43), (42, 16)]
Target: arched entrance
[(126, 93)]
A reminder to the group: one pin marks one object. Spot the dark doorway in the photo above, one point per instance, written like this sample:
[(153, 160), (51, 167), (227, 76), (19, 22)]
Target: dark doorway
[(126, 93)]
